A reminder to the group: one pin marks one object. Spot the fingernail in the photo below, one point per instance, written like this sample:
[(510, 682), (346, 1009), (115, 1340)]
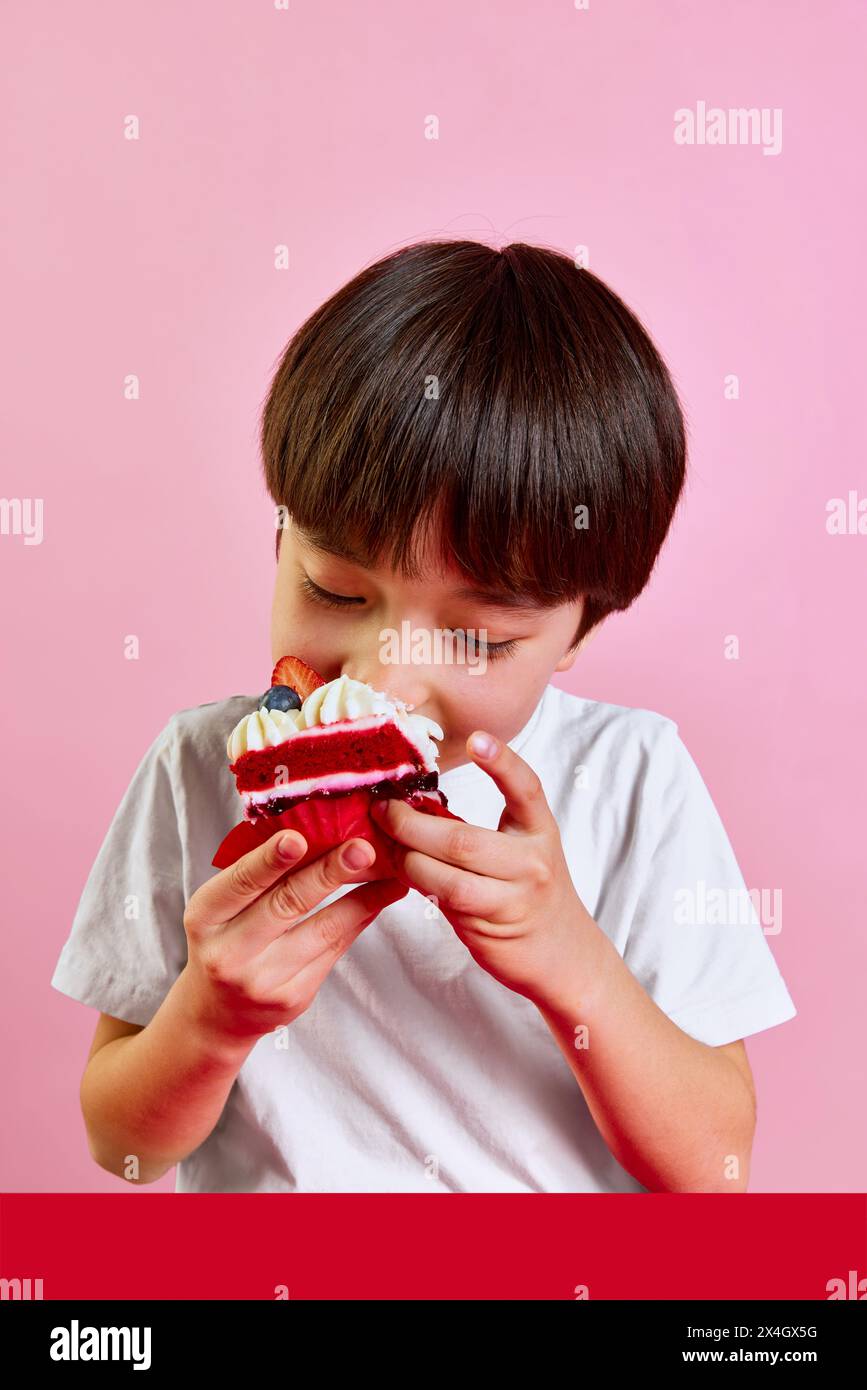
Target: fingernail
[(356, 856), (379, 808), (484, 745), (289, 847)]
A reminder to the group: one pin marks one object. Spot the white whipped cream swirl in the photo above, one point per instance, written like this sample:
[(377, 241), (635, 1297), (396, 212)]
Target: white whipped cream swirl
[(343, 698)]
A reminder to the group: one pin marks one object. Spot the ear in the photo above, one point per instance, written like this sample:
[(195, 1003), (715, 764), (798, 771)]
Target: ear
[(568, 659)]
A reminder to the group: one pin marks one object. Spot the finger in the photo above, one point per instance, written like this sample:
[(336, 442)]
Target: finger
[(297, 893), (452, 841), (458, 891), (312, 948), (526, 806), (235, 888)]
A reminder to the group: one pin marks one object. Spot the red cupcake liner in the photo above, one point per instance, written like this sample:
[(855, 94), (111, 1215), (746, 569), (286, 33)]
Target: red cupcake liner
[(326, 821)]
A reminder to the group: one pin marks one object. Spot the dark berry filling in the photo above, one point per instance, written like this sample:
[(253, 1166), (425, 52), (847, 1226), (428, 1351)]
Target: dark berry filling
[(393, 787)]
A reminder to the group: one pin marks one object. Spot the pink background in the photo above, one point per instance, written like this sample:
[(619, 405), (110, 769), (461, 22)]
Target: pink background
[(261, 127)]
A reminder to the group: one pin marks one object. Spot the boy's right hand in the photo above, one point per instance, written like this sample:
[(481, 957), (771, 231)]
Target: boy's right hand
[(250, 968)]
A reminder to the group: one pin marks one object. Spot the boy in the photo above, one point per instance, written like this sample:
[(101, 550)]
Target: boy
[(469, 440)]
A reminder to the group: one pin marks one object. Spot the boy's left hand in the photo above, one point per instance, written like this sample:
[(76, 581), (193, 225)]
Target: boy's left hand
[(507, 892)]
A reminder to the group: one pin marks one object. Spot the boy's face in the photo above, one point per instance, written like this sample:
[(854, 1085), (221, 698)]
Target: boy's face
[(472, 690)]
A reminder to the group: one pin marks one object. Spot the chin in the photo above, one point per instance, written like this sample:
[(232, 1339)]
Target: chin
[(453, 758)]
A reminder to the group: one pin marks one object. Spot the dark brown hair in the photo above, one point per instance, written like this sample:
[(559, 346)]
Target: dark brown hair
[(489, 393)]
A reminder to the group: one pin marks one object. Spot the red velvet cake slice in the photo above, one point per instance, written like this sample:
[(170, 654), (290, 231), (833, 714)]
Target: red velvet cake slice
[(314, 754), (341, 736)]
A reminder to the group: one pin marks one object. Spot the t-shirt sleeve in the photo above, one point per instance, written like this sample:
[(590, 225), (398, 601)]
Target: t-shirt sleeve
[(127, 943), (698, 939)]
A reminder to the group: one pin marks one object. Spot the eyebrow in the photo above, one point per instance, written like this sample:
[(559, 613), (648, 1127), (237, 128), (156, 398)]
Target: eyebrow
[(488, 598)]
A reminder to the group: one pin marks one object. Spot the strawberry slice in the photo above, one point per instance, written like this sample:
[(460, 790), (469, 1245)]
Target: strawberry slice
[(325, 822), (292, 671)]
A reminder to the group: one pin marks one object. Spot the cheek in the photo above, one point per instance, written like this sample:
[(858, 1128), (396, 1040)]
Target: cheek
[(491, 701), (318, 637), (284, 621), (295, 631)]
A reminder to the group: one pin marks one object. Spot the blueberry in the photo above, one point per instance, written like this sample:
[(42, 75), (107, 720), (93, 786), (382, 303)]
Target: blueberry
[(281, 697)]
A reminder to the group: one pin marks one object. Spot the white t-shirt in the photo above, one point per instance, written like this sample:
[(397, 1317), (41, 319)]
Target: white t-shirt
[(414, 1070)]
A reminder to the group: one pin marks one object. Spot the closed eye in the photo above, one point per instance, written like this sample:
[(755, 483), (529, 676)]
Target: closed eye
[(492, 649), (323, 596)]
